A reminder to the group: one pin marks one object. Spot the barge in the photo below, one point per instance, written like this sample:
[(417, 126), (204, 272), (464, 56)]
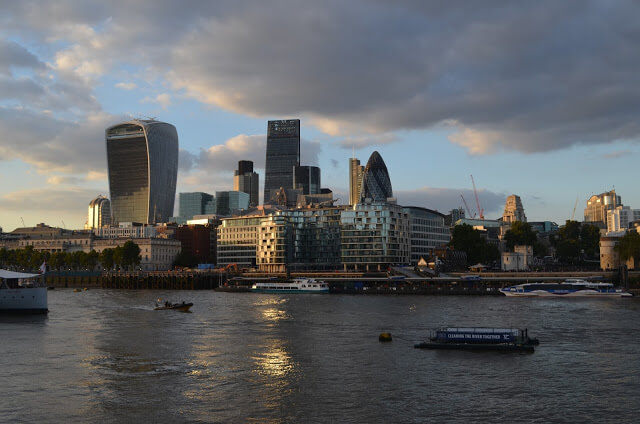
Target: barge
[(480, 338)]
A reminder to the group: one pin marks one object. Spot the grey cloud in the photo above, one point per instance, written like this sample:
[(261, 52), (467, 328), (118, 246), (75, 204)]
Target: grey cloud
[(530, 76), (14, 55), (445, 199)]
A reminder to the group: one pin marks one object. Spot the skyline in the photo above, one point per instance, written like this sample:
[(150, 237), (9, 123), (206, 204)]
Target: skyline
[(536, 100)]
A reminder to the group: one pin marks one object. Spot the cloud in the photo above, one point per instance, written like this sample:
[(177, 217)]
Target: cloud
[(163, 100), (368, 140), (72, 201), (531, 77), (618, 154), (445, 199), (126, 85)]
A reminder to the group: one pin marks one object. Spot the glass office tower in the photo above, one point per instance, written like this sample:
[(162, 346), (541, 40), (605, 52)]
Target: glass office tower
[(247, 181), (142, 161), (376, 184), (307, 179), (192, 204), (283, 153)]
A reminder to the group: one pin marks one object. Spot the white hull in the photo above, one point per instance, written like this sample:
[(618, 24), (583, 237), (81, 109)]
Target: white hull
[(580, 293), (26, 299)]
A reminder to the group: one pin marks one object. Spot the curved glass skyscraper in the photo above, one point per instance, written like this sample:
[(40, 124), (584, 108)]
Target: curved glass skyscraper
[(376, 184), (142, 160)]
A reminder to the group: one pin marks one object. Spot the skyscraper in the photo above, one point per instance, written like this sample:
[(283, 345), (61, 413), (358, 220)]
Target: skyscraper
[(356, 172), (307, 179), (598, 206), (192, 204), (99, 213), (283, 153), (142, 161), (376, 184), (247, 181)]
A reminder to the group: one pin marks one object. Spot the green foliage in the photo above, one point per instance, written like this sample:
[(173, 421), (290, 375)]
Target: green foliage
[(466, 239), (576, 241), (106, 259), (629, 246), (130, 255), (520, 234), (185, 259)]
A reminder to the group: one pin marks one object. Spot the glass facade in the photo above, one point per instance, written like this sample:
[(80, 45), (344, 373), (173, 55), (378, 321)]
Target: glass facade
[(283, 153), (192, 204), (428, 231), (307, 179), (247, 181), (99, 213), (356, 172), (376, 184), (142, 161), (231, 202)]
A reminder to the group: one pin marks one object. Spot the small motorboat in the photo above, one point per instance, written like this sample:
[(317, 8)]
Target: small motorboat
[(182, 307)]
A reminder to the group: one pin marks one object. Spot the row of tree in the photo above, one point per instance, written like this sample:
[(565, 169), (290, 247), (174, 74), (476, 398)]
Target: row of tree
[(574, 243), (126, 256)]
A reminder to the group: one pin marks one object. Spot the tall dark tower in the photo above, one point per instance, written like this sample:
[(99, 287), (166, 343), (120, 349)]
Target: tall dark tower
[(142, 161), (376, 184), (283, 153), (247, 181)]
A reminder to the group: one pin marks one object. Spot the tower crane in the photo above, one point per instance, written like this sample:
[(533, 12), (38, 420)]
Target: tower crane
[(467, 207), (475, 192), (574, 209)]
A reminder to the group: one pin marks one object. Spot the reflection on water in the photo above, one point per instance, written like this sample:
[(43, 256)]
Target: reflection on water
[(106, 356)]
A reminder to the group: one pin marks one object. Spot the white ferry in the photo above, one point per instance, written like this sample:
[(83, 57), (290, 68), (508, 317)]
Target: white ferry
[(573, 287), (22, 293), (297, 285)]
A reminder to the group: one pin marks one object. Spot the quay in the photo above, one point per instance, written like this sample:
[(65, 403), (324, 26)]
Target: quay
[(339, 282)]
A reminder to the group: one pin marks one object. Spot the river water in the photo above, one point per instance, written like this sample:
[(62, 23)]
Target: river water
[(106, 356)]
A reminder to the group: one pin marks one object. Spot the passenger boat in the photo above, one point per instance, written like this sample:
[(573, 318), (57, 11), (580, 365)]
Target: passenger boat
[(182, 307), (480, 338), (572, 287), (22, 293), (297, 285)]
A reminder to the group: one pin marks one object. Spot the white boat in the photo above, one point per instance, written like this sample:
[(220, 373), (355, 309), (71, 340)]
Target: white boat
[(22, 293), (572, 287), (297, 285)]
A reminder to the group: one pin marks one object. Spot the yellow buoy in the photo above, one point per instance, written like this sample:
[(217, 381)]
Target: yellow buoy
[(76, 290), (384, 337)]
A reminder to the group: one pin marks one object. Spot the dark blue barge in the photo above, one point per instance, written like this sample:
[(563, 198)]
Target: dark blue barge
[(480, 338)]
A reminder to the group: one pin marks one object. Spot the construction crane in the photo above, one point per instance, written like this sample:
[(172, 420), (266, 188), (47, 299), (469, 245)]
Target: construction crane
[(574, 209), (475, 192), (467, 207)]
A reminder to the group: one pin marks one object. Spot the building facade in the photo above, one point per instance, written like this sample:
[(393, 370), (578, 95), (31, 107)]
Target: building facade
[(374, 236), (513, 210), (283, 153), (307, 179), (376, 184), (99, 213), (238, 241), (231, 202), (621, 217), (247, 181), (428, 232), (196, 203), (142, 162), (356, 172), (598, 205), (126, 230)]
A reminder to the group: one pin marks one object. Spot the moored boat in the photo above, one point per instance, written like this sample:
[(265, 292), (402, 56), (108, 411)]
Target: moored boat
[(22, 293), (480, 338), (572, 287), (297, 285)]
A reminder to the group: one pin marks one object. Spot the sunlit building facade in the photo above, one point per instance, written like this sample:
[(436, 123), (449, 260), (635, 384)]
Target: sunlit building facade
[(428, 232), (356, 172), (142, 161), (99, 213), (598, 205), (513, 210)]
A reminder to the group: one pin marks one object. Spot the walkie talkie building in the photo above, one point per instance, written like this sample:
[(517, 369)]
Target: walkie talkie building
[(142, 161)]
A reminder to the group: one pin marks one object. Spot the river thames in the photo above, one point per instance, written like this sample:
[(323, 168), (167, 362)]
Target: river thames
[(107, 356)]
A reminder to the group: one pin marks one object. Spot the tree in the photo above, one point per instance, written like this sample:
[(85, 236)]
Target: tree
[(629, 247), (575, 241), (464, 238), (92, 259), (117, 256), (130, 255), (106, 259), (57, 260), (185, 259), (520, 233), (590, 240)]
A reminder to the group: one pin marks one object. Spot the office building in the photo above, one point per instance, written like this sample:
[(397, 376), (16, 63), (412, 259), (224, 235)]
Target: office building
[(307, 179), (247, 181), (231, 202), (513, 210), (598, 205), (356, 172), (283, 153), (142, 162), (620, 218), (376, 184), (196, 203), (427, 232), (99, 213), (238, 240)]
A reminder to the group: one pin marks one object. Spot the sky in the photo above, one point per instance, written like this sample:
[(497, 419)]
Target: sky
[(539, 99)]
